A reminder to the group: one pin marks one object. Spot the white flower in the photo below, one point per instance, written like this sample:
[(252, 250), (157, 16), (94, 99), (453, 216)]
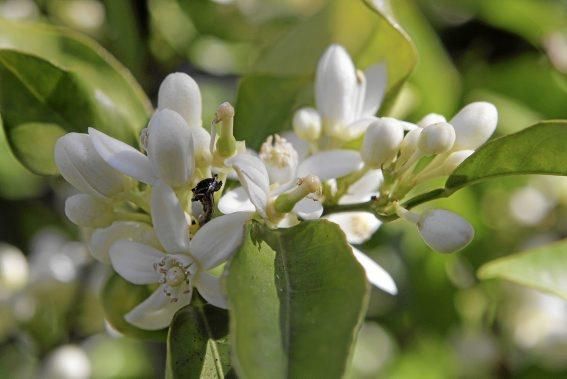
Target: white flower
[(474, 124), (347, 99), (183, 267), (255, 174), (81, 165), (169, 148)]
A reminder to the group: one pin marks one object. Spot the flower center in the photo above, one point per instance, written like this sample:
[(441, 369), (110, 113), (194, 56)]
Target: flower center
[(360, 226), (174, 276), (276, 151)]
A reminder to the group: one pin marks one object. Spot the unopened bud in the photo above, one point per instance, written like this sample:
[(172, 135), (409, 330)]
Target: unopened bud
[(454, 160), (381, 142), (474, 125), (444, 231), (306, 186), (88, 211), (180, 93), (81, 165), (307, 124), (226, 144), (14, 270), (436, 138), (430, 119), (409, 144)]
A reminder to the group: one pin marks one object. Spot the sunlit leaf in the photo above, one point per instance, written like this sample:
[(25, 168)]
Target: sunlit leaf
[(197, 344), (370, 37), (52, 76), (543, 268), (296, 297)]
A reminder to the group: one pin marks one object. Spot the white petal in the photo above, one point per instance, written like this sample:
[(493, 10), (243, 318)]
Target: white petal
[(102, 239), (180, 93), (357, 226), (301, 146), (376, 80), (123, 157), (474, 124), (375, 274), (170, 148), (88, 211), (335, 85), (254, 178), (157, 311), (210, 287), (135, 261), (308, 209), (330, 164), (363, 189), (169, 219), (236, 200), (218, 239)]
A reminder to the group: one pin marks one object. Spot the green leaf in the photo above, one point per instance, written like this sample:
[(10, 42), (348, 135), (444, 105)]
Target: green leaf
[(297, 297), (262, 108), (197, 344), (52, 76), (539, 149), (543, 268), (118, 298)]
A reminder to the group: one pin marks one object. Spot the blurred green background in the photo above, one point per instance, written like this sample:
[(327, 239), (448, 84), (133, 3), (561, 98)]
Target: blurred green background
[(444, 323)]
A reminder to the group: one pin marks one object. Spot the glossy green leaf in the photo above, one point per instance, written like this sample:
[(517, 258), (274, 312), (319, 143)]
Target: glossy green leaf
[(52, 76), (539, 149), (197, 344), (262, 108), (119, 297), (543, 268), (296, 297)]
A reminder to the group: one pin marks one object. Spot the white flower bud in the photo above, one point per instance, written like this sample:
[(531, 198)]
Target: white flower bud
[(436, 138), (307, 124), (431, 118), (102, 239), (88, 211), (454, 160), (170, 148), (81, 165), (474, 124), (381, 142), (14, 270), (409, 144), (280, 159), (180, 93), (444, 231)]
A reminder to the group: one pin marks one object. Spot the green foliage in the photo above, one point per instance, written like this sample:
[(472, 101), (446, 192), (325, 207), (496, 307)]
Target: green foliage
[(543, 268), (197, 344), (263, 108), (52, 76), (119, 297), (296, 296), (539, 149)]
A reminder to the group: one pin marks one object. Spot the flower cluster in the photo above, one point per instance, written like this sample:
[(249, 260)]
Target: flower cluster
[(159, 216)]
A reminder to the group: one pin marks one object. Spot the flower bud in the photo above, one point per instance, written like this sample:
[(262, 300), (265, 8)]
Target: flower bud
[(180, 93), (88, 211), (307, 124), (170, 148), (102, 239), (454, 160), (431, 118), (474, 124), (444, 231), (381, 142), (436, 138), (409, 144), (82, 166), (280, 159)]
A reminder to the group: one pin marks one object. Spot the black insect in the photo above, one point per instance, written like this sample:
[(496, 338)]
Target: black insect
[(204, 193)]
